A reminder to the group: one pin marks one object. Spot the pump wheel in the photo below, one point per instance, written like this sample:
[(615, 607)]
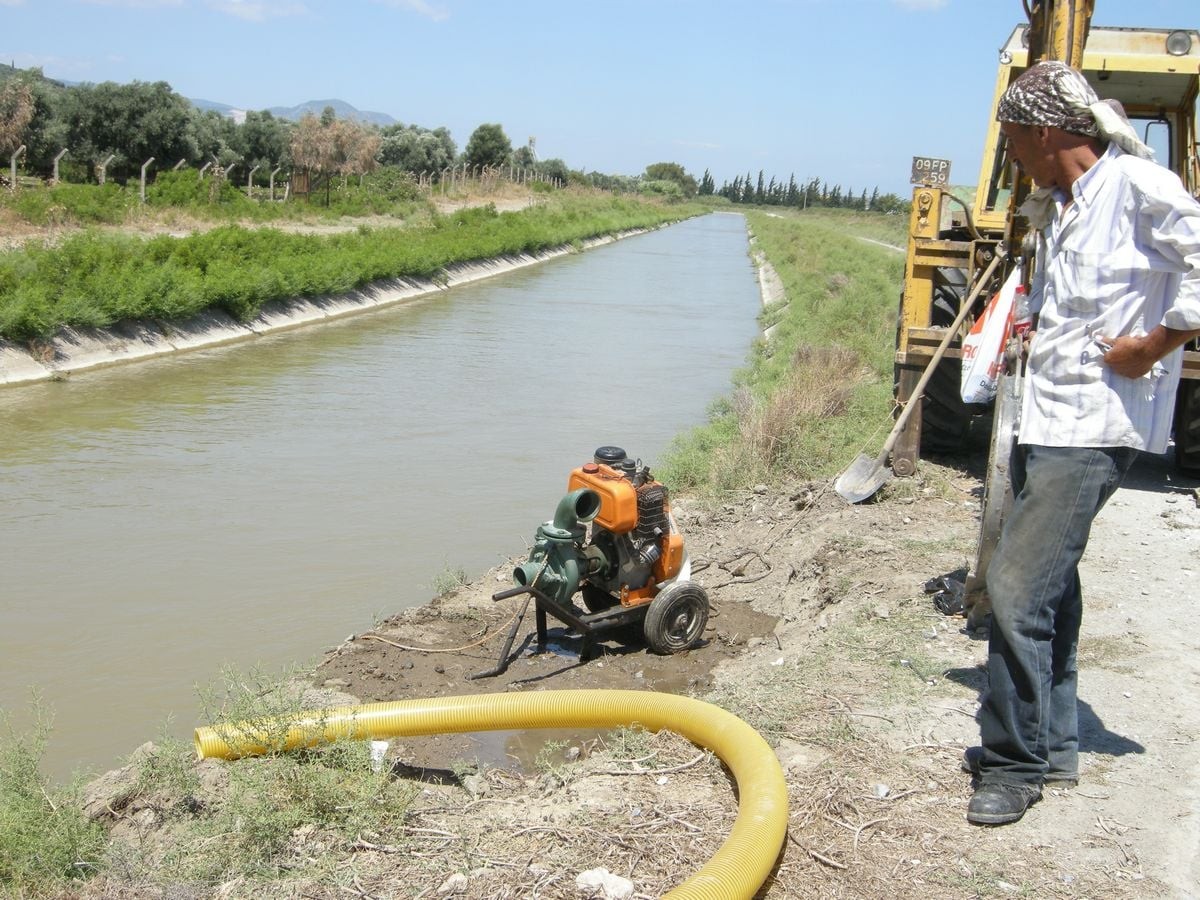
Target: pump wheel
[(1187, 427), (676, 617)]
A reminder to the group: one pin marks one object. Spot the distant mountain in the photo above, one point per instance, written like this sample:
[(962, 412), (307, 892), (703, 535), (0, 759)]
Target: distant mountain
[(343, 110), (223, 108), (294, 113)]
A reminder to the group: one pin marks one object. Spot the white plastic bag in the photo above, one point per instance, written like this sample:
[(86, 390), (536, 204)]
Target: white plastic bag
[(983, 347)]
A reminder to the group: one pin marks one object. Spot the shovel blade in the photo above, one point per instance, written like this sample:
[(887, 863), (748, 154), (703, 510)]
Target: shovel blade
[(865, 476)]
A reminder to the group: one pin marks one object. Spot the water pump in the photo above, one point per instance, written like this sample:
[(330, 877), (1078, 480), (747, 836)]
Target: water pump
[(614, 543)]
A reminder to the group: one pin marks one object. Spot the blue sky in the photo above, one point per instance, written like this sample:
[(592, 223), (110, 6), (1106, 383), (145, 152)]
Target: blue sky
[(847, 90)]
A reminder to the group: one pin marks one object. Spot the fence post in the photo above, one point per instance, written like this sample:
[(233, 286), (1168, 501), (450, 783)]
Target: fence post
[(179, 165), (144, 166), (273, 173), (232, 166), (102, 169), (250, 183), (203, 169), (12, 162), (61, 154)]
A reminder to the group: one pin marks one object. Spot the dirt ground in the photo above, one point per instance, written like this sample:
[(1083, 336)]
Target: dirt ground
[(823, 634)]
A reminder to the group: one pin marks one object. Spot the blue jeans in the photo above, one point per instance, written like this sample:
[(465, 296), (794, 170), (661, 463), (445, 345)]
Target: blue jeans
[(1029, 724)]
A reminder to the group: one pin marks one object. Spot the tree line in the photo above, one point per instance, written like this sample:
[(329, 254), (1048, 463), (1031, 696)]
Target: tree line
[(814, 192), (128, 124)]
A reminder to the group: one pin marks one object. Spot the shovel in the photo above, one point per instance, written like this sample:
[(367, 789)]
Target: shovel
[(866, 475)]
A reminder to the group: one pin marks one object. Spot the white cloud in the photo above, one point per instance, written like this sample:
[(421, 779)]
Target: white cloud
[(420, 7), (921, 5), (254, 11), (697, 145)]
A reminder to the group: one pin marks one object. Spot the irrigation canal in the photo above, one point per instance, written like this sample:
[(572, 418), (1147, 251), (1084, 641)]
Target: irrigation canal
[(254, 504)]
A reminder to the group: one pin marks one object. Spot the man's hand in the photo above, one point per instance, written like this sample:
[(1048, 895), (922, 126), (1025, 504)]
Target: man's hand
[(1133, 357), (1130, 356)]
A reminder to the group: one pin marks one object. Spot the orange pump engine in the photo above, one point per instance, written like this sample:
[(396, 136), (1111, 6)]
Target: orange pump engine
[(632, 531)]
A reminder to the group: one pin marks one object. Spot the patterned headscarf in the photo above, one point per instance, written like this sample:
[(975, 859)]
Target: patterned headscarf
[(1053, 95)]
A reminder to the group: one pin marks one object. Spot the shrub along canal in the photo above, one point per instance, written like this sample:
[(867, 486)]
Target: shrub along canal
[(253, 504)]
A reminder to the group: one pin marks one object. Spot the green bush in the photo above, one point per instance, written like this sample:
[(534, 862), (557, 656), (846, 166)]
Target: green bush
[(667, 190), (44, 837), (73, 204)]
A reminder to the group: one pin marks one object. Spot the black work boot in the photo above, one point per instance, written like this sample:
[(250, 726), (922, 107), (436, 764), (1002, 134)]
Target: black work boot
[(973, 756), (1001, 803)]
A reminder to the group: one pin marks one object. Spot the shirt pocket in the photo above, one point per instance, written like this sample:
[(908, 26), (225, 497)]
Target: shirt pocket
[(1088, 282)]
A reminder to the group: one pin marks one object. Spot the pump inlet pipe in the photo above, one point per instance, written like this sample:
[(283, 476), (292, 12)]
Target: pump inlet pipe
[(738, 868)]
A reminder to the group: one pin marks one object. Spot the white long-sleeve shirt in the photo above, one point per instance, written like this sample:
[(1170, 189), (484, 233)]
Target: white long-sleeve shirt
[(1121, 259)]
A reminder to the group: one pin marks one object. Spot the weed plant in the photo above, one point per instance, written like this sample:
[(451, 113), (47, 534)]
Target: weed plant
[(449, 579), (263, 819), (94, 279), (819, 389), (45, 840)]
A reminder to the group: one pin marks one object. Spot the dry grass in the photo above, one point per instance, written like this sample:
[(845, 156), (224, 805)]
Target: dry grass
[(777, 433)]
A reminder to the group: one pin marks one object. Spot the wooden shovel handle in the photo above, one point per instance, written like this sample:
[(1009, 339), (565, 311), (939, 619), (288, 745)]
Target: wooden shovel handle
[(919, 390)]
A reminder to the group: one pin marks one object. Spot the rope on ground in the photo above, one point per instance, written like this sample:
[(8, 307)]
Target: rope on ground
[(482, 640)]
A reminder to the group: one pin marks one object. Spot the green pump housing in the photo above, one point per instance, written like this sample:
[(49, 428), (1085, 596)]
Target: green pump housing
[(559, 560)]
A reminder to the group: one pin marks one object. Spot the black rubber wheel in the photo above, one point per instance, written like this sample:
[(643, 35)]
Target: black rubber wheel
[(1187, 427), (945, 419), (676, 617)]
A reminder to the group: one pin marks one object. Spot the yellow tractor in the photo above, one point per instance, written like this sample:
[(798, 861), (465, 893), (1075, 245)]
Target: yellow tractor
[(960, 251), (1155, 74)]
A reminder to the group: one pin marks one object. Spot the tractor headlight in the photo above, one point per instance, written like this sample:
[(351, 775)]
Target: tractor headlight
[(1179, 43)]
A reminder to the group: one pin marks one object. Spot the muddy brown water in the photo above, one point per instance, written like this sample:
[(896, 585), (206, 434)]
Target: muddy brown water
[(254, 504)]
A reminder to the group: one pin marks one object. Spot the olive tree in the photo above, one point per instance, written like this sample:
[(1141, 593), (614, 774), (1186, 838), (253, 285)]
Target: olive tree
[(133, 121), (488, 146), (669, 171)]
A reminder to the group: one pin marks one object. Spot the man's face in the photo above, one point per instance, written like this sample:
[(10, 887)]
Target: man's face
[(1027, 146)]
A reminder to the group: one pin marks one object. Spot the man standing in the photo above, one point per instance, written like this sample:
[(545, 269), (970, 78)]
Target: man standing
[(1117, 290)]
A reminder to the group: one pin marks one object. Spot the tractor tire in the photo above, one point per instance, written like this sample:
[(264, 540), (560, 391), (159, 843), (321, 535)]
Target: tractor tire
[(1187, 427), (676, 618), (945, 419)]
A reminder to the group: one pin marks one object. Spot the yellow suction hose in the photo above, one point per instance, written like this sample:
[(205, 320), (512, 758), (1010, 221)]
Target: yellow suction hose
[(737, 869)]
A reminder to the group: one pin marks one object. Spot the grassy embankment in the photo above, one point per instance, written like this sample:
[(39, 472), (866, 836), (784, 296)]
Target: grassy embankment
[(808, 400), (819, 390), (93, 278), (181, 197)]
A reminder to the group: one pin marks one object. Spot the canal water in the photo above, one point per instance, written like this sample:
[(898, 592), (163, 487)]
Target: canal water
[(254, 504)]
